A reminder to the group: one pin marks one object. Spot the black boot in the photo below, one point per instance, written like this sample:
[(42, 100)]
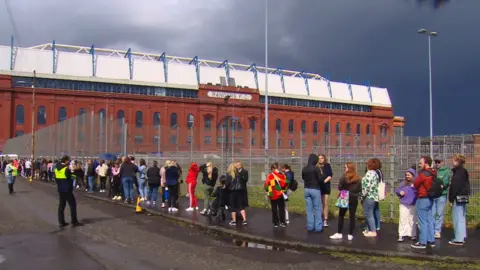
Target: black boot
[(10, 188)]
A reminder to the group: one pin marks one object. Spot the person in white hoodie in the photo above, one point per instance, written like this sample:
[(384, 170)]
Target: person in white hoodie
[(101, 170)]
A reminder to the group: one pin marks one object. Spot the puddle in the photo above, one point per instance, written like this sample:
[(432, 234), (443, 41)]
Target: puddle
[(253, 245)]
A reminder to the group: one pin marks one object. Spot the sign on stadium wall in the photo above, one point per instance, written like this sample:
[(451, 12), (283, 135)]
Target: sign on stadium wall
[(215, 94)]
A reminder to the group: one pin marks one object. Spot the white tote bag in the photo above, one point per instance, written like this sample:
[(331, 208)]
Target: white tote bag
[(381, 186)]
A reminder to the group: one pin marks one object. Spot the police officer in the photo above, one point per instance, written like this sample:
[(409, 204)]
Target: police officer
[(63, 176), (11, 171)]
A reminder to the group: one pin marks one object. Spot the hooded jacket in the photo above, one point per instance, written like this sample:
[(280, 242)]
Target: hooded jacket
[(275, 185), (205, 179), (460, 185), (424, 181), (192, 173), (311, 174), (64, 185), (443, 174), (153, 176)]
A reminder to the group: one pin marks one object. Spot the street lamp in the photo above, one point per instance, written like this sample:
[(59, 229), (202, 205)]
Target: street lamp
[(430, 34), (33, 125), (266, 87)]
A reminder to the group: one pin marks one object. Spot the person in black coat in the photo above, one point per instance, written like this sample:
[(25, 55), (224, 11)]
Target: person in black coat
[(209, 179), (153, 180), (458, 197), (236, 185)]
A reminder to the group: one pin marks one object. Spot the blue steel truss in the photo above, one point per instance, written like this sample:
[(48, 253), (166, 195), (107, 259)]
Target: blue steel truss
[(329, 85), (305, 78), (165, 65), (369, 91), (13, 52), (130, 62), (54, 58), (253, 68), (279, 71), (197, 68), (227, 71), (92, 52)]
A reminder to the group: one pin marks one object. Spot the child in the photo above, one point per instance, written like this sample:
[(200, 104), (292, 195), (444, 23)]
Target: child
[(408, 196), (219, 203)]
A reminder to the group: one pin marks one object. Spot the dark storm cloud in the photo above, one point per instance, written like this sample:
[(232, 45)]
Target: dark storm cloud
[(364, 40)]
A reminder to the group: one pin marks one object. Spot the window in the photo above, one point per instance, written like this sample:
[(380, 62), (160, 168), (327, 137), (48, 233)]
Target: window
[(327, 127), (19, 133), (62, 114), (337, 128), (358, 131), (173, 139), (207, 140), (101, 115), (304, 143), (253, 124), (304, 126), (278, 125), (82, 114), (279, 142), (290, 126), (139, 119), (120, 117), (349, 129), (208, 123), (367, 130), (156, 120), (190, 121), (42, 115), (173, 121), (291, 143), (20, 115), (138, 139), (156, 140), (383, 131), (252, 141), (315, 127)]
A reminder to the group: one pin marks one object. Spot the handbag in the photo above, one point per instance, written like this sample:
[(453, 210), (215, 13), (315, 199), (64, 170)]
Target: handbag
[(462, 199), (343, 199)]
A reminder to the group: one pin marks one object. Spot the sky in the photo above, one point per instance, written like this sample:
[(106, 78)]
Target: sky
[(360, 40)]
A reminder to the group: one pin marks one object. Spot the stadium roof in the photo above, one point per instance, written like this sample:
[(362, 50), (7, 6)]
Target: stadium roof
[(127, 67)]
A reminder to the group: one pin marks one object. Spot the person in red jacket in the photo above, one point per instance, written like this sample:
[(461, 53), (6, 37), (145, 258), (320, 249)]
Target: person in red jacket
[(275, 186), (424, 204), (192, 183)]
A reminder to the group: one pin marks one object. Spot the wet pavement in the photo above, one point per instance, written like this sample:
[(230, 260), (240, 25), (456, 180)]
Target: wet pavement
[(114, 237), (260, 225)]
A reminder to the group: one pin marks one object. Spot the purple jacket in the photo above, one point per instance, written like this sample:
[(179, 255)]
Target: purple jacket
[(410, 196)]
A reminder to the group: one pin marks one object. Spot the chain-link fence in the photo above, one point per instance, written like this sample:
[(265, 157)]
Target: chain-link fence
[(90, 136)]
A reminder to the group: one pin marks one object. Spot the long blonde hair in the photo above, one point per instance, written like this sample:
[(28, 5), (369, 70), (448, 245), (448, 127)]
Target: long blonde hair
[(232, 171), (210, 167)]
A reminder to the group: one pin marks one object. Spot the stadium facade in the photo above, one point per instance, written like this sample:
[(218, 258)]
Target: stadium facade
[(151, 91)]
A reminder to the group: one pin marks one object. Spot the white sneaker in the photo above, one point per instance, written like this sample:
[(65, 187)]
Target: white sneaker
[(170, 209), (336, 236), (78, 186), (196, 208), (148, 202), (190, 209), (174, 209), (142, 199), (114, 198), (350, 237), (163, 205), (203, 211)]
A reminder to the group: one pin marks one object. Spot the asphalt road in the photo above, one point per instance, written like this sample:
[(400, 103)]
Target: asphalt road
[(116, 238)]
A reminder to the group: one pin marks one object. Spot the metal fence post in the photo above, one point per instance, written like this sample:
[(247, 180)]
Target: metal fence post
[(276, 145), (250, 157), (301, 148), (392, 182), (124, 135)]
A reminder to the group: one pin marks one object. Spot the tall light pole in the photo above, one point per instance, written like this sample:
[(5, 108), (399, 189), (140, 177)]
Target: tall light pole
[(430, 35), (266, 87), (33, 126)]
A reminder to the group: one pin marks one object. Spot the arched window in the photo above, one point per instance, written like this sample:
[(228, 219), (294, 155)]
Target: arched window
[(120, 117), (190, 120), (358, 131), (20, 115), (383, 131), (81, 116), (139, 119), (290, 126), (42, 115), (173, 121), (315, 127), (207, 122), (337, 128), (327, 127), (303, 126), (349, 129), (263, 125), (156, 120), (278, 125), (62, 114), (253, 124), (367, 130)]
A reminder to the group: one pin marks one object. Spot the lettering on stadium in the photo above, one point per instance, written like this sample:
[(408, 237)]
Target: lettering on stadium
[(214, 94)]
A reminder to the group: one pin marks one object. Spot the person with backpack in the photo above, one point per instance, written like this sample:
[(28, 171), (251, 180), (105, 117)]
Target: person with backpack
[(292, 186), (438, 208), (275, 186), (426, 190), (459, 198)]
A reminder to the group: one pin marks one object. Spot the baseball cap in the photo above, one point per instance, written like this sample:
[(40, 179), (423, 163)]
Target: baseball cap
[(438, 158)]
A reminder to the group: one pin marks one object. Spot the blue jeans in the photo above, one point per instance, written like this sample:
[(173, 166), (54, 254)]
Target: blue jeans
[(370, 213), (11, 179), (313, 201), (425, 220), (90, 183), (152, 192), (127, 182), (438, 211), (142, 187), (459, 211)]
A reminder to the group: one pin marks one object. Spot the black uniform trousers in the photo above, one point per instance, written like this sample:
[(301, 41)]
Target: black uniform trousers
[(64, 198)]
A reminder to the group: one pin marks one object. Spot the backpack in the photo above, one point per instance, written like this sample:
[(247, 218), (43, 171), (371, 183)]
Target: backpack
[(436, 190), (294, 184)]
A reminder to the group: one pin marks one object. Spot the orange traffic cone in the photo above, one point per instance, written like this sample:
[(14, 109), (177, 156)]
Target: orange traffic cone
[(138, 209)]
